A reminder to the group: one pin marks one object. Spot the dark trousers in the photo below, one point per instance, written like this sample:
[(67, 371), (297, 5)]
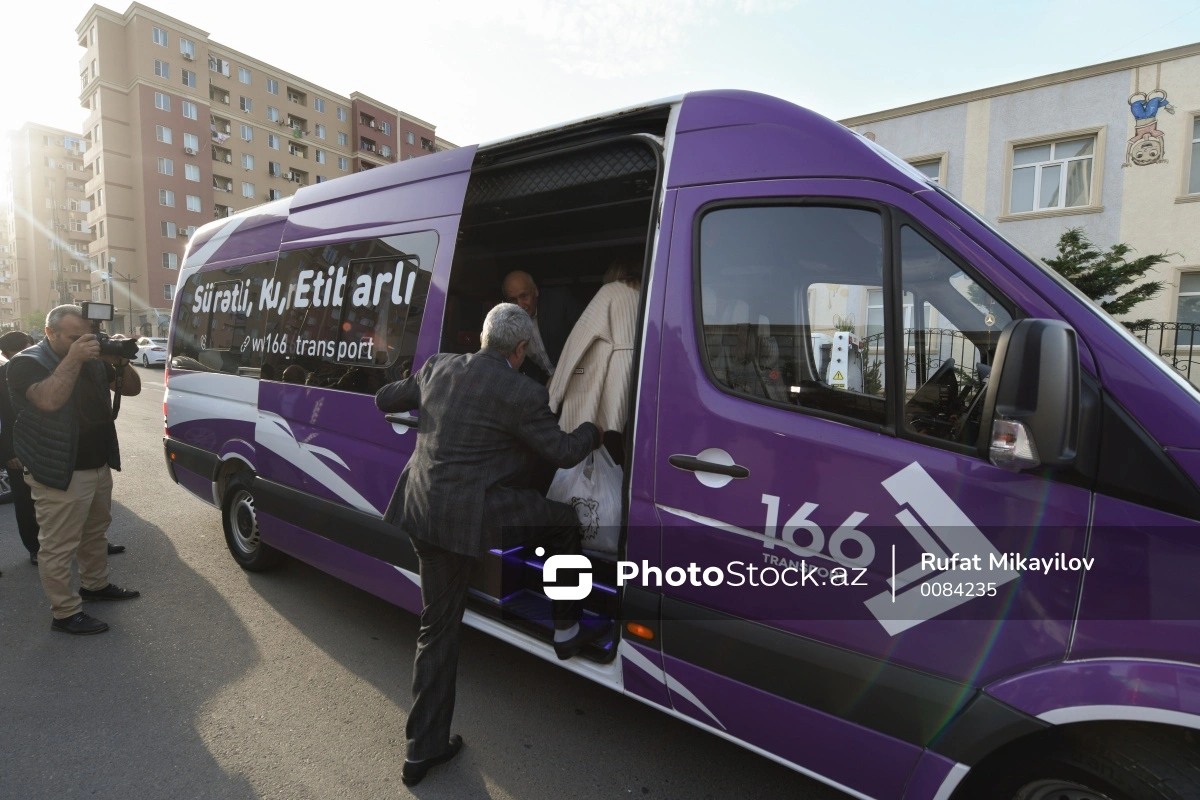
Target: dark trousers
[(27, 524), (445, 577)]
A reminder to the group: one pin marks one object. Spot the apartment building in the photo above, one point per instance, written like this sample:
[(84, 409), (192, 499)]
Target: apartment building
[(181, 129), (1113, 148), (45, 223)]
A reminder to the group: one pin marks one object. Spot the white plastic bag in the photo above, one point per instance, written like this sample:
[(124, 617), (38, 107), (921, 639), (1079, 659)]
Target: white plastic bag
[(593, 488)]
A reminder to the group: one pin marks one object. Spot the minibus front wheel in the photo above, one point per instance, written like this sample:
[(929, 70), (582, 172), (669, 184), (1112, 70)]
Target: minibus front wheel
[(241, 526)]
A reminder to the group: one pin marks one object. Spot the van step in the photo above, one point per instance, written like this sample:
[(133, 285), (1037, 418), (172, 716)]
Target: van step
[(531, 612)]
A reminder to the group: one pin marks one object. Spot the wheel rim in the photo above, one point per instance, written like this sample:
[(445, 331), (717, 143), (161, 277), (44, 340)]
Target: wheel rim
[(5, 486), (145, 361), (243, 522), (1058, 790)]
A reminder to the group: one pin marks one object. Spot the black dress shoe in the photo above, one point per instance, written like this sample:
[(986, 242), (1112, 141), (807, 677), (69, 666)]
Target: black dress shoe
[(414, 771), (79, 625), (110, 592), (573, 646), (33, 559), (113, 549)]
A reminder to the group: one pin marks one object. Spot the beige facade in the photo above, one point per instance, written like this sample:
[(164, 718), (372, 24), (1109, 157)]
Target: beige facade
[(1138, 182), (46, 230), (182, 129)]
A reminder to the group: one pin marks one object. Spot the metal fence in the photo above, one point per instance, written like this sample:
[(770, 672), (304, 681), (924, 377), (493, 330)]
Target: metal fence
[(1176, 343), (925, 349)]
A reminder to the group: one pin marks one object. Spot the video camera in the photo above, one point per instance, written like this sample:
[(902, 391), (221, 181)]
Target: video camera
[(96, 313)]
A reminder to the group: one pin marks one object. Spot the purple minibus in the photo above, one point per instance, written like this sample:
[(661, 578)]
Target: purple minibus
[(902, 510)]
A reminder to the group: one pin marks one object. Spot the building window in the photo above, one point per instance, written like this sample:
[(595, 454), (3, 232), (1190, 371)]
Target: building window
[(247, 161), (162, 133), (1188, 309), (162, 102), (169, 292), (386, 127), (247, 104), (1194, 176), (78, 225), (247, 133), (159, 36), (170, 261), (193, 202), (341, 114), (272, 141), (166, 198), (218, 65), (321, 179), (274, 194), (244, 75), (247, 189), (320, 131), (166, 166), (274, 168), (189, 78), (343, 139), (320, 156), (272, 114), (191, 172), (318, 104), (385, 151), (1051, 175), (191, 142), (930, 168), (343, 164), (162, 69), (189, 110), (187, 48), (272, 86), (410, 137), (168, 229)]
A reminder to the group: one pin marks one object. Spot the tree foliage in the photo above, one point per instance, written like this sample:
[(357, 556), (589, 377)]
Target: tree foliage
[(1101, 274)]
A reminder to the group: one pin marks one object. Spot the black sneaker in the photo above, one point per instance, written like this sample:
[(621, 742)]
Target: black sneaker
[(110, 592), (79, 625)]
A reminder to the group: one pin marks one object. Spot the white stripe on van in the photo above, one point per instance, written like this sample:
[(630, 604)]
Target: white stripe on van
[(210, 247)]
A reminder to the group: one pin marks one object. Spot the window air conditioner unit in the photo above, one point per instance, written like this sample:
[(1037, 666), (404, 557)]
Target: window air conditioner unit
[(225, 100), (228, 159), (188, 57), (189, 151)]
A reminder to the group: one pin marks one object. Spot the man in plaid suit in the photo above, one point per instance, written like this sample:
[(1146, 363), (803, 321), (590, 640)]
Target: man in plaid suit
[(483, 428)]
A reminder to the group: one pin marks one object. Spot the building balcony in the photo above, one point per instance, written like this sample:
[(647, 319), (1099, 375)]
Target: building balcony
[(218, 95), (222, 155), (298, 150), (297, 97), (222, 211), (222, 184)]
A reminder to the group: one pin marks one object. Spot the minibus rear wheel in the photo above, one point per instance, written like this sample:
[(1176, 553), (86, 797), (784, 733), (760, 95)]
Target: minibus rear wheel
[(1098, 761), (241, 527)]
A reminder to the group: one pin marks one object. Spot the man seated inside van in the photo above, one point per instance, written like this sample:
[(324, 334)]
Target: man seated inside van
[(554, 313)]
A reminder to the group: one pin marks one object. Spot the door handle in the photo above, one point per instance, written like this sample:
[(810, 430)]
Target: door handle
[(408, 421), (693, 464)]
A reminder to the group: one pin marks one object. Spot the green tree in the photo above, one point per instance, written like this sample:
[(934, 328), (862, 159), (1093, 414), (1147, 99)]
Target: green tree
[(1101, 274), (35, 320)]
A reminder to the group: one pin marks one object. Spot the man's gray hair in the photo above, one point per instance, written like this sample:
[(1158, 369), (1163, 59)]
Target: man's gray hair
[(506, 326), (54, 318)]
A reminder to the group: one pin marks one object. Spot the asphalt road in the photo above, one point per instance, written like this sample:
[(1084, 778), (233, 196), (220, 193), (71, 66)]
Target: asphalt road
[(217, 683)]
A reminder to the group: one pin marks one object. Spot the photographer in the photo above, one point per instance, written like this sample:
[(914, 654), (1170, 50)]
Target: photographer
[(65, 437)]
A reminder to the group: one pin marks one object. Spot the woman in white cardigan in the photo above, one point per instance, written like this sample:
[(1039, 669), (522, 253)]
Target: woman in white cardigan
[(591, 380)]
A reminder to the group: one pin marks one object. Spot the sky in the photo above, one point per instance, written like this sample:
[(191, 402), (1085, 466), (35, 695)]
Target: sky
[(481, 70)]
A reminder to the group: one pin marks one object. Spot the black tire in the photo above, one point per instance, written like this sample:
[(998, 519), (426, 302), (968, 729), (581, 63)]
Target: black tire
[(1129, 761), (241, 527), (145, 361), (6, 493)]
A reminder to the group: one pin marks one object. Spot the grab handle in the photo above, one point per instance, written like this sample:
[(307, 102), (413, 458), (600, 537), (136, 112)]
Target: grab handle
[(693, 464), (408, 421)]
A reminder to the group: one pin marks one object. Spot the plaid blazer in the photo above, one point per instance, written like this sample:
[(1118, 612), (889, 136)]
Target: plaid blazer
[(483, 427)]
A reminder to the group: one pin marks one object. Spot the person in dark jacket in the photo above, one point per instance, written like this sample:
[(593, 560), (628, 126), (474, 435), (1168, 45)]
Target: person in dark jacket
[(554, 313), (483, 427), (12, 343), (67, 443)]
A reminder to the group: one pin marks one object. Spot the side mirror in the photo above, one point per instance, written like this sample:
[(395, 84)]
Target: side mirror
[(1031, 411)]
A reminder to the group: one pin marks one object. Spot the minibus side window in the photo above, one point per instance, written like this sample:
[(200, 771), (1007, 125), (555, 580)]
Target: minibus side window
[(352, 312), (219, 320), (949, 345), (785, 296)]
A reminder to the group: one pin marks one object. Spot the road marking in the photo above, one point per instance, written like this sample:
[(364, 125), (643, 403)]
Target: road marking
[(152, 383)]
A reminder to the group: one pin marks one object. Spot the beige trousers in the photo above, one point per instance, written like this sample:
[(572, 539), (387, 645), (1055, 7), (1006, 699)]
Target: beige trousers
[(73, 526)]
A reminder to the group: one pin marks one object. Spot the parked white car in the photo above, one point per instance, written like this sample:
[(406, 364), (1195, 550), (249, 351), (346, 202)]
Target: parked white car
[(151, 351)]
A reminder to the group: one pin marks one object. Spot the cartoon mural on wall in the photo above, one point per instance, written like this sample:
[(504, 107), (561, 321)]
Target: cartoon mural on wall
[(1148, 143)]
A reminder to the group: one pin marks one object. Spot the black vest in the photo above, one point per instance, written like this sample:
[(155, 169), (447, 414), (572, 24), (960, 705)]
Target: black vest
[(47, 442)]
